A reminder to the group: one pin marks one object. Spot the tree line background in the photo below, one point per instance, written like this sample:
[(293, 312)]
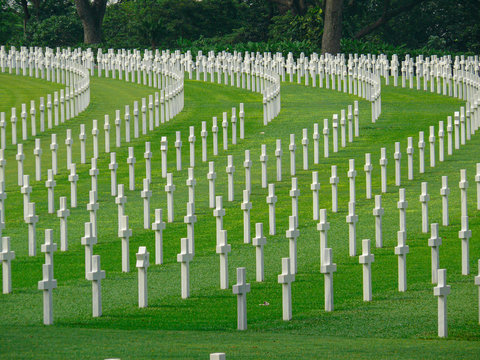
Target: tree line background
[(373, 26)]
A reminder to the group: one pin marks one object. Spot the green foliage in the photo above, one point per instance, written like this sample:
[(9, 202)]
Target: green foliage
[(62, 30), (10, 23)]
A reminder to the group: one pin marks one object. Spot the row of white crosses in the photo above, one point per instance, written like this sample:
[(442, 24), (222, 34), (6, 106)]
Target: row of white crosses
[(67, 103)]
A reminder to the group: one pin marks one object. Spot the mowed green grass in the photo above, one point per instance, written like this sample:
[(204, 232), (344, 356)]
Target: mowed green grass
[(393, 325)]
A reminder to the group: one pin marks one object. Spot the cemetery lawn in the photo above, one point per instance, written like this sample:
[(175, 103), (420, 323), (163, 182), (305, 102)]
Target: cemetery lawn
[(393, 325)]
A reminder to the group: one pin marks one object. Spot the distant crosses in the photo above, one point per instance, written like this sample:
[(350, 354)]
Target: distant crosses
[(96, 275), (143, 262), (327, 267), (241, 288), (442, 290), (259, 241), (286, 278), (366, 259), (6, 257), (184, 259)]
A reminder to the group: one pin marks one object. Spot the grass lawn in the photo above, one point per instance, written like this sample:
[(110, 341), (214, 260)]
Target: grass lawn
[(393, 325)]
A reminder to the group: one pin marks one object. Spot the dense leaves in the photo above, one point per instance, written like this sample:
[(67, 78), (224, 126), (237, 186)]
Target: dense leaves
[(429, 26)]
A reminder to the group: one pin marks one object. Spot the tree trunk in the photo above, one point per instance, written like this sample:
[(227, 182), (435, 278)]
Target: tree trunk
[(332, 28), (91, 14)]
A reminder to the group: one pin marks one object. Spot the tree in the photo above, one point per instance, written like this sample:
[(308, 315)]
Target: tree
[(91, 13), (332, 30)]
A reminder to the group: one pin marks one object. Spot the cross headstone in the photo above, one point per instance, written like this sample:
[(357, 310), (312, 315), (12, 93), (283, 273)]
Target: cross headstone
[(444, 192), (218, 356), (278, 156), (241, 114), (26, 189), (219, 213), (368, 175), (463, 185), (94, 174), (366, 259), (211, 176), (397, 157), (241, 288), (37, 152), (144, 116), (225, 131), (352, 220), (286, 278), (20, 157), (31, 219), (96, 275), (292, 234), (401, 250), (292, 147), (178, 149), (402, 205), (259, 241), (410, 150), (315, 187), (247, 164), (434, 242), (6, 257), (431, 140), (113, 166), (146, 194), (163, 150), (234, 126), (215, 135), (190, 219), (442, 290), (223, 248), (191, 141), (351, 174), (356, 117), (88, 241), (263, 161), (477, 283), (184, 259), (143, 262), (230, 169), (334, 179), (449, 136), (421, 152), (191, 183), (170, 189), (47, 285), (271, 201), (136, 114), (203, 135), (424, 199), (158, 226), (54, 148), (327, 267), (63, 213), (95, 133), (82, 137), (13, 119), (49, 247), (73, 178), (69, 143), (305, 143), (343, 137), (294, 194), (131, 169), (326, 131), (124, 233), (378, 212), (335, 132), (464, 235), (383, 169), (316, 144), (441, 142), (106, 128)]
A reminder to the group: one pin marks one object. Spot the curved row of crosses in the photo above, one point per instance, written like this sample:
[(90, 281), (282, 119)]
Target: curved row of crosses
[(357, 75)]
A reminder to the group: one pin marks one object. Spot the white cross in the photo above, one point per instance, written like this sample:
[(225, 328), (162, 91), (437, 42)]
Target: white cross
[(352, 220), (424, 199), (158, 226), (223, 248), (88, 241), (334, 180), (286, 278), (241, 288), (143, 262), (131, 168), (125, 233), (169, 189), (49, 247), (96, 275), (191, 183), (73, 178), (184, 259), (6, 257), (190, 219), (366, 259), (230, 169), (47, 285), (259, 241), (146, 194), (328, 268), (442, 290)]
